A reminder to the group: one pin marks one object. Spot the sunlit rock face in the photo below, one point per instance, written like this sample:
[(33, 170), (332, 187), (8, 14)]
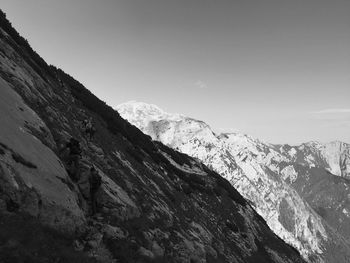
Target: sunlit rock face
[(269, 176), (34, 179), (333, 156)]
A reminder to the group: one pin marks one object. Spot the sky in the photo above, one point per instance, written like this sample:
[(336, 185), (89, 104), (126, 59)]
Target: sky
[(278, 70)]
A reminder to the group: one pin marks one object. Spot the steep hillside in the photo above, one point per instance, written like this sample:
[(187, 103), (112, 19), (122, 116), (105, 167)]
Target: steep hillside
[(327, 194), (156, 204), (273, 178)]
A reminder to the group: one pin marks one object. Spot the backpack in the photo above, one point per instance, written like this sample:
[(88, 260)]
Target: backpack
[(74, 146)]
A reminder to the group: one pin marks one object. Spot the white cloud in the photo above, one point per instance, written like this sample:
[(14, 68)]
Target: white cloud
[(201, 84), (331, 111)]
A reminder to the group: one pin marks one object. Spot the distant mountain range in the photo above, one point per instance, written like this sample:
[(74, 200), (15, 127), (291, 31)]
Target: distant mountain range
[(303, 192)]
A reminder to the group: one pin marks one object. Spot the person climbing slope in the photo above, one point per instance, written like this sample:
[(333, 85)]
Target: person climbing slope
[(89, 129), (95, 181), (73, 158)]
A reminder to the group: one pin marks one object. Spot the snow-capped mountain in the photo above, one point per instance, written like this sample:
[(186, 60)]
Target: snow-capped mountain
[(270, 176)]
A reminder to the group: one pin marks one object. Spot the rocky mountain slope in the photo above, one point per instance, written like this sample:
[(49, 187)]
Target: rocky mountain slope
[(156, 204), (285, 184), (333, 156)]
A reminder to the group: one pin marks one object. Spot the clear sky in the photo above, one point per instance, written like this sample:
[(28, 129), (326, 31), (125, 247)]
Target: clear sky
[(276, 69)]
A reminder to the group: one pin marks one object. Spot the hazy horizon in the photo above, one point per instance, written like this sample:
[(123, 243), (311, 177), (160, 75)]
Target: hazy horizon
[(276, 70)]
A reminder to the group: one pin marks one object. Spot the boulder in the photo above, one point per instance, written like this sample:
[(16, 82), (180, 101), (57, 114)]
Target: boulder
[(114, 198), (157, 250), (143, 252), (78, 245), (94, 240), (113, 232)]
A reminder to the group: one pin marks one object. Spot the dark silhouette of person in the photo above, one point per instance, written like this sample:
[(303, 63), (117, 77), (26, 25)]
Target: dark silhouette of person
[(89, 129), (95, 184), (73, 158)]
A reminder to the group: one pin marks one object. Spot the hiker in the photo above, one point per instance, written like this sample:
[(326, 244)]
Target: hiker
[(95, 184), (89, 129), (73, 158)]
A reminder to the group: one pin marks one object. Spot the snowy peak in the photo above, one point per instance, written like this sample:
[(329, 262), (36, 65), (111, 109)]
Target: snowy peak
[(140, 114), (150, 112), (133, 108), (313, 144), (171, 129)]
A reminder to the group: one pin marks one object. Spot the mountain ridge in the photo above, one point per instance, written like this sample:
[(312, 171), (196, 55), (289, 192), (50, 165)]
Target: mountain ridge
[(257, 170)]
